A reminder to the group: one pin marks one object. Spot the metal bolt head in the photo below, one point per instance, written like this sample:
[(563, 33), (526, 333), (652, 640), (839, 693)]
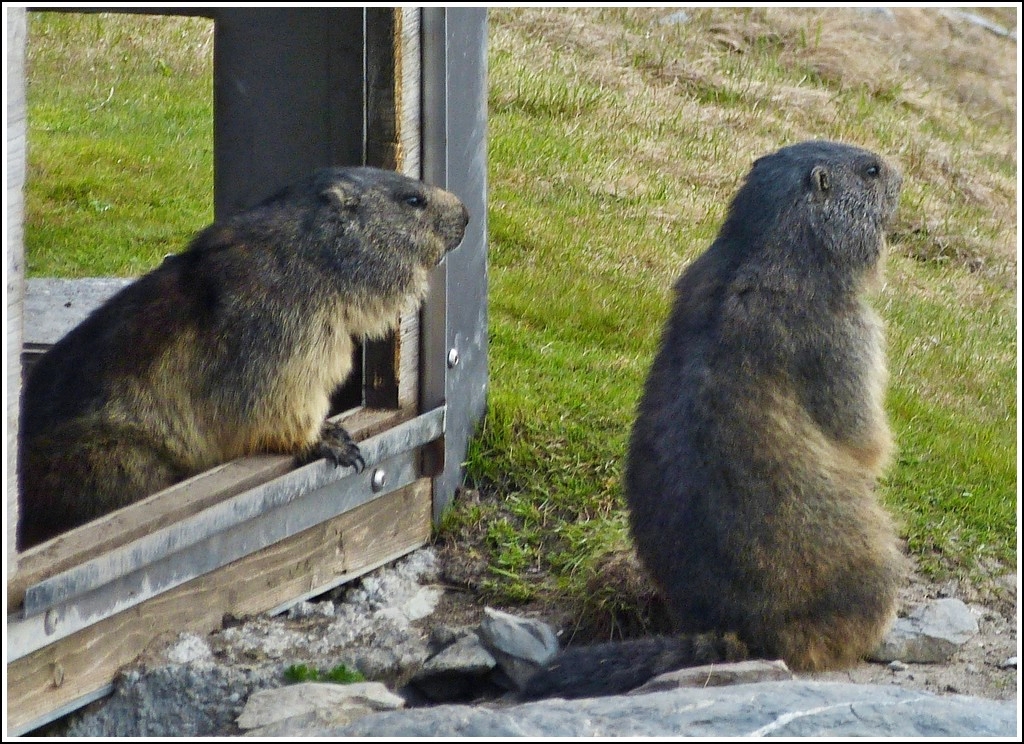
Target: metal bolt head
[(378, 480), (50, 620), (453, 357)]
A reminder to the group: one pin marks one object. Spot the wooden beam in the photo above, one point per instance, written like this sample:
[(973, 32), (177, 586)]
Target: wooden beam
[(166, 507), (329, 554)]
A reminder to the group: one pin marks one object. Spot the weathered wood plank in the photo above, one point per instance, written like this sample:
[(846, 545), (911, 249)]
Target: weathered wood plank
[(407, 119), (331, 553), (225, 532), (407, 82), (14, 251), (54, 306), (379, 81), (408, 363), (167, 507)]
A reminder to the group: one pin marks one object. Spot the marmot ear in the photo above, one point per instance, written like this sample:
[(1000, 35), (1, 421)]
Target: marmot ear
[(341, 194), (820, 179)]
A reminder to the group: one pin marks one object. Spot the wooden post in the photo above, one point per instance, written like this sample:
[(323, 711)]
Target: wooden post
[(288, 98), (14, 257)]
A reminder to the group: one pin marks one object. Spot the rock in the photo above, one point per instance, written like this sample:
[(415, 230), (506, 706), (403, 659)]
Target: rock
[(198, 687), (457, 673), (189, 647), (398, 590), (310, 609), (443, 635), (790, 709), (898, 666), (201, 692), (929, 634), (393, 656), (369, 630), (717, 675), (313, 704), (466, 656), (202, 699), (262, 638), (1010, 663), (519, 645)]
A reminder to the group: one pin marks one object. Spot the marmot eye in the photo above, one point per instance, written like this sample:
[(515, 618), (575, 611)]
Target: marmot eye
[(873, 170), (414, 200)]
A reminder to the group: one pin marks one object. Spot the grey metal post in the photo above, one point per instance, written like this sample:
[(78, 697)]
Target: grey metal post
[(455, 156)]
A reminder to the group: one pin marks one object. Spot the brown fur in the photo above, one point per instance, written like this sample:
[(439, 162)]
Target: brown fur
[(230, 348)]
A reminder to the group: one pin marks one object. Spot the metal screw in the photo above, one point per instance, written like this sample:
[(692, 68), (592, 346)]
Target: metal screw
[(453, 357), (379, 480)]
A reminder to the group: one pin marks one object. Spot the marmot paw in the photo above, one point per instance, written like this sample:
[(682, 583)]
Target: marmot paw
[(337, 446)]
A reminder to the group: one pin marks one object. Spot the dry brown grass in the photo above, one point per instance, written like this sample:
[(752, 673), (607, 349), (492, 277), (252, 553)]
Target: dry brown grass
[(736, 83), (183, 43)]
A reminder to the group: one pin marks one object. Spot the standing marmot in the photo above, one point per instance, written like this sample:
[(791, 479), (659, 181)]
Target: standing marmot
[(230, 348), (760, 435)]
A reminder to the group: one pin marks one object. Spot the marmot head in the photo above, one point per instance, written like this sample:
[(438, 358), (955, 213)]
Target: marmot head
[(818, 202), (381, 231), (363, 231), (400, 216)]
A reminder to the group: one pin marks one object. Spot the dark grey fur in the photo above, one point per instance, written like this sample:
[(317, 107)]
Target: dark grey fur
[(760, 435)]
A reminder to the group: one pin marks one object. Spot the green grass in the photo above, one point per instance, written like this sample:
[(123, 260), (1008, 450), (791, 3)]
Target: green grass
[(615, 143), (581, 267), (121, 141), (340, 674)]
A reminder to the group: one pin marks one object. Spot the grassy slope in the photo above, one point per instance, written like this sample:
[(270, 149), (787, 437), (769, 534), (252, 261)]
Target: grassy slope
[(615, 143)]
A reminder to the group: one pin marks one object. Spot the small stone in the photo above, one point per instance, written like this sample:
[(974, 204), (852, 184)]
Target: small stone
[(879, 12), (456, 673), (311, 609), (466, 656), (285, 710), (442, 636), (1010, 663), (976, 20), (718, 675), (929, 634), (898, 666), (188, 648), (519, 645)]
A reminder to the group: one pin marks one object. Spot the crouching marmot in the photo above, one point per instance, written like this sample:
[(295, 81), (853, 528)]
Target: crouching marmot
[(230, 348)]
